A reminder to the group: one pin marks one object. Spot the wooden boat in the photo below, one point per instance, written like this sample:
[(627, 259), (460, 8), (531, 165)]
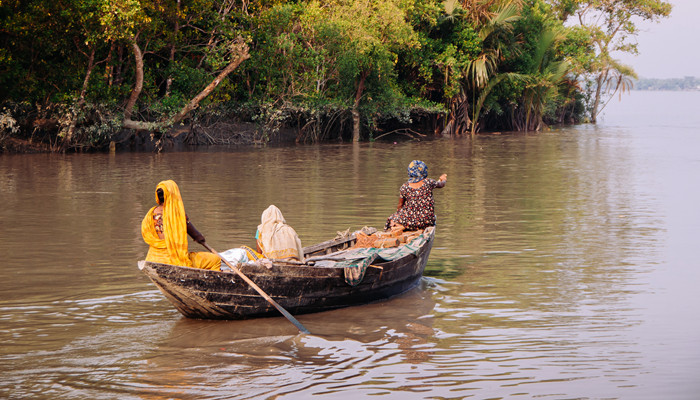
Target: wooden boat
[(311, 287)]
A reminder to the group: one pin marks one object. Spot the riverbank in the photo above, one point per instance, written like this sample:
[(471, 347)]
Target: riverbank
[(223, 133), (22, 146), (45, 135)]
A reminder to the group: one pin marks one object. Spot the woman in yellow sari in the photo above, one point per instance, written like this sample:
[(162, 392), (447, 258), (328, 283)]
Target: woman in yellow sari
[(165, 228)]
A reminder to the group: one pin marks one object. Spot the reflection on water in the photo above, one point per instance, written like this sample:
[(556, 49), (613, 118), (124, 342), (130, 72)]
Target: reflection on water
[(258, 358), (551, 276)]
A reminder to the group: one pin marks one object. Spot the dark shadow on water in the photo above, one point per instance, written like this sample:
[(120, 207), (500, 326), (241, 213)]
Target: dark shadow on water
[(404, 321), (358, 322)]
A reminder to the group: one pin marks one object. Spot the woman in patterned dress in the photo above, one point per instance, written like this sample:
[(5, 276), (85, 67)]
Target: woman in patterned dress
[(416, 208)]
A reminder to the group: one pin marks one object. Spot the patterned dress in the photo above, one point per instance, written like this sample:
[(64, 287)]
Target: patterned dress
[(418, 211)]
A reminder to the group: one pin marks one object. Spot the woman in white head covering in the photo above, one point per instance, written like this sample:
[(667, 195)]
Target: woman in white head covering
[(276, 239)]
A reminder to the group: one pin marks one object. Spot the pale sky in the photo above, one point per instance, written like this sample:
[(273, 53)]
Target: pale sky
[(669, 48)]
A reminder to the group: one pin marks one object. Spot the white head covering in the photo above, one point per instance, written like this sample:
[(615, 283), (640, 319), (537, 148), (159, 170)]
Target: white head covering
[(278, 240)]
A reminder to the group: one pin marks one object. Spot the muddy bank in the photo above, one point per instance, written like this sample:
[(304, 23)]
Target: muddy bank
[(220, 133), (182, 137), (14, 145), (45, 136)]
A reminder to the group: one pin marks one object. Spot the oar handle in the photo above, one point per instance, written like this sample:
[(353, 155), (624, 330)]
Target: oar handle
[(252, 284)]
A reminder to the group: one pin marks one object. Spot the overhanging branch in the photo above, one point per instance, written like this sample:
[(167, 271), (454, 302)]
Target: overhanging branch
[(240, 53)]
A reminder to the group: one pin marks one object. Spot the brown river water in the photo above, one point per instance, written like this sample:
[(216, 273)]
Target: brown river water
[(564, 267)]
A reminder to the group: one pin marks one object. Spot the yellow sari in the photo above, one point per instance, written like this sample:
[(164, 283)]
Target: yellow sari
[(172, 249)]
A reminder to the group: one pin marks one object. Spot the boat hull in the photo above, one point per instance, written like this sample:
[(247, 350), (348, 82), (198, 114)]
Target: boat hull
[(300, 289)]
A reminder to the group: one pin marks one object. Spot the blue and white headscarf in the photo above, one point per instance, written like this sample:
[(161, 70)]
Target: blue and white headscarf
[(417, 171)]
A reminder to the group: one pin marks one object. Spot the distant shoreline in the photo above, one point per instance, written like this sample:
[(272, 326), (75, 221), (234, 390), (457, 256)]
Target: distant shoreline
[(688, 83)]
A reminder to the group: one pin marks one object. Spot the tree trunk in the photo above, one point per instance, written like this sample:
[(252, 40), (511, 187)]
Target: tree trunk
[(458, 121), (109, 68), (169, 81), (241, 54), (81, 100), (119, 66), (596, 101), (138, 85), (356, 107), (240, 51)]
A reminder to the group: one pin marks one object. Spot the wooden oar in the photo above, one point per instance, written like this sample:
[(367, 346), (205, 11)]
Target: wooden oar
[(260, 292)]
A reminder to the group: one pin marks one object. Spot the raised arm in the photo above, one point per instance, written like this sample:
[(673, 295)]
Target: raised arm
[(442, 181)]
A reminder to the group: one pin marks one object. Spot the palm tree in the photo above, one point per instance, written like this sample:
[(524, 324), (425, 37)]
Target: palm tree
[(479, 76), (541, 83), (480, 12), (611, 77)]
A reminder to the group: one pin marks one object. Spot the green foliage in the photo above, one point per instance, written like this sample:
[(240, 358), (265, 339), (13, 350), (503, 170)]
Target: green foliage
[(309, 57), (121, 20), (36, 50), (314, 65), (96, 126), (611, 27), (448, 43), (577, 49), (532, 86), (541, 67), (8, 125)]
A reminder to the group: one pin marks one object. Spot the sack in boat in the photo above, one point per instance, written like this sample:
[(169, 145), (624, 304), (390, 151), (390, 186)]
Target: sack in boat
[(383, 240), (235, 256), (406, 237), (378, 240), (364, 240), (383, 243)]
